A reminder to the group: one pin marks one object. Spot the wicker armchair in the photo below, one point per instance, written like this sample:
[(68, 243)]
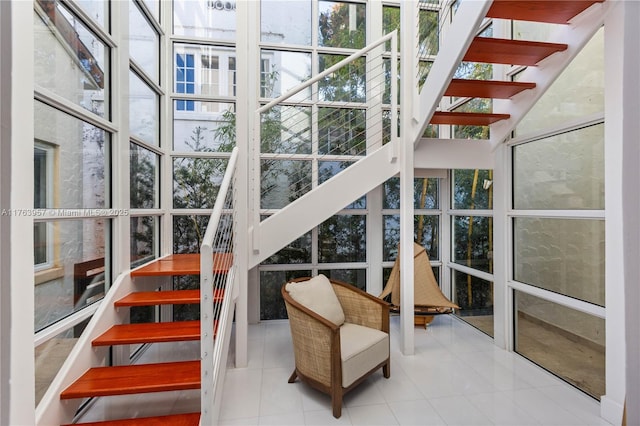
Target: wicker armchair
[(340, 335)]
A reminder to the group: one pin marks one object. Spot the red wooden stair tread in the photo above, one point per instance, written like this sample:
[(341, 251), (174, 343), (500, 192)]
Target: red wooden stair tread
[(188, 419), (511, 52), (131, 379), (183, 264), (495, 89), (467, 118), (550, 11), (154, 332), (168, 297)]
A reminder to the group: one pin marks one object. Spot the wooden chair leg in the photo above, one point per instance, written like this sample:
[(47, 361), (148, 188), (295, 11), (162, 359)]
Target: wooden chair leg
[(386, 370), (294, 375), (336, 403)]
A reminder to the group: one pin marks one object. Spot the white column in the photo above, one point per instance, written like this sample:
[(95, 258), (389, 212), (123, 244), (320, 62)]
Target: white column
[(17, 370), (631, 210), (502, 325), (617, 93), (408, 17), (247, 57), (375, 235)]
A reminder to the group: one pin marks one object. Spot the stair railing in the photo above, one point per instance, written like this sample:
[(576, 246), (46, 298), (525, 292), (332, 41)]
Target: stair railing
[(217, 300), (322, 126)]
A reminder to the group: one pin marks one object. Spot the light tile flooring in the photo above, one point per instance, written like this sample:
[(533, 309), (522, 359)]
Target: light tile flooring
[(456, 377)]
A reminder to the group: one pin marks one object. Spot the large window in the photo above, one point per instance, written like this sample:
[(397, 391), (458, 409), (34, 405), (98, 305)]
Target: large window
[(472, 249), (558, 225), (72, 155)]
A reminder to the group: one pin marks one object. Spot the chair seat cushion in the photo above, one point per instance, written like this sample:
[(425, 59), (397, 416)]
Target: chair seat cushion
[(317, 294), (362, 348)]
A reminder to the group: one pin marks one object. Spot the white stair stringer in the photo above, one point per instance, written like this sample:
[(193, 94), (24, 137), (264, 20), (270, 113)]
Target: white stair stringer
[(319, 204), (452, 49), (576, 35)]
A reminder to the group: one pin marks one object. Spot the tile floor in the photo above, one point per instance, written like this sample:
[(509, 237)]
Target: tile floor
[(456, 377)]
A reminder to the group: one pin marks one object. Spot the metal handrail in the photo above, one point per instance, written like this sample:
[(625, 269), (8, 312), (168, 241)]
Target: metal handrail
[(211, 319)]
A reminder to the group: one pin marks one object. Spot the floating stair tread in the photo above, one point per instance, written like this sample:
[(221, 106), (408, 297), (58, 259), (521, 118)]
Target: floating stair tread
[(511, 52), (188, 419), (183, 264), (154, 332), (467, 118), (549, 11), (486, 88), (132, 379), (166, 297)]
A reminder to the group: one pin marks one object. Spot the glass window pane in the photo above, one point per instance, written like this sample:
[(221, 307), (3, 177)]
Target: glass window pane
[(567, 342), (355, 277), (428, 32), (472, 242), (144, 42), (211, 19), (342, 131), (341, 24), (50, 356), (342, 238), (283, 181), (207, 127), (145, 241), (281, 71), (286, 129), (188, 232), (578, 91), (196, 182), (144, 174), (204, 70), (472, 189), (97, 9), (475, 298), (271, 303), (69, 59), (426, 233), (426, 191), (285, 22), (328, 169), (144, 111), (390, 22), (347, 84), (560, 172), (565, 256), (77, 155), (78, 271), (299, 251)]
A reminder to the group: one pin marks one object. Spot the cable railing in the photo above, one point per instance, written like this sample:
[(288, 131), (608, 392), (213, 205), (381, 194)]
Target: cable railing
[(348, 112), (217, 288)]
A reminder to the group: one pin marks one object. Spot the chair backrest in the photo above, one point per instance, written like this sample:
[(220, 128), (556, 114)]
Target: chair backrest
[(317, 294)]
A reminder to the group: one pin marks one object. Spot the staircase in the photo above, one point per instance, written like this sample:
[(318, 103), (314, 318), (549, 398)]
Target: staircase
[(156, 377), (511, 100), (508, 52)]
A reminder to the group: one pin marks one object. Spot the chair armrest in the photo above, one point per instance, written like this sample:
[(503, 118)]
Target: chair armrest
[(361, 307)]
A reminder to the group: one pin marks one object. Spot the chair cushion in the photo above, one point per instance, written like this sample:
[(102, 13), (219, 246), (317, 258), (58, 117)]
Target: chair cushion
[(361, 349), (317, 294)]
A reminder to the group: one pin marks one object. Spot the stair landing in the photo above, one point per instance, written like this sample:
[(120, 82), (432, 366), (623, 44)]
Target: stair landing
[(183, 264)]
